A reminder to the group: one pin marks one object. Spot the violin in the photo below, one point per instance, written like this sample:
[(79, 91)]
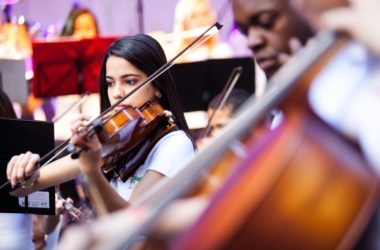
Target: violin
[(128, 128)]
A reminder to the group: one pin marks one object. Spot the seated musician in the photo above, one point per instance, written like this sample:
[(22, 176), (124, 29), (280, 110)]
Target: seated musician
[(276, 21), (220, 117), (169, 146), (274, 30), (80, 23)]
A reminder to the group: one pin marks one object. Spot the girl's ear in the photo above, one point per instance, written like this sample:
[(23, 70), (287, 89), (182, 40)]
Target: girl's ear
[(158, 94)]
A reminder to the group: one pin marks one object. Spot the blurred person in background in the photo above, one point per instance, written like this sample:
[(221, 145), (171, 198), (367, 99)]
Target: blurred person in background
[(197, 16)]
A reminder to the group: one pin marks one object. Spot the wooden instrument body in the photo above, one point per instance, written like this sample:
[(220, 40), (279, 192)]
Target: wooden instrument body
[(300, 187)]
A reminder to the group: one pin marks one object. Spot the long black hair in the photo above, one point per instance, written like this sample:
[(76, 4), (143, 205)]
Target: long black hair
[(6, 108), (146, 54)]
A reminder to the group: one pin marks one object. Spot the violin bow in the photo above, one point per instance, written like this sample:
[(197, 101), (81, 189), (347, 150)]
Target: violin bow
[(228, 87), (76, 104)]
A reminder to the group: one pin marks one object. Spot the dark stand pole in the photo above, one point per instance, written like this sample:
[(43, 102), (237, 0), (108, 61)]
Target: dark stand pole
[(140, 15)]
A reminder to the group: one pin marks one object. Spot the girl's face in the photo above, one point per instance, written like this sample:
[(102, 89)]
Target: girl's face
[(84, 26), (121, 78)]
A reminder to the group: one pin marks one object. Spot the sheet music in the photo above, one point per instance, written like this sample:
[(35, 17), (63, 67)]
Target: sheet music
[(39, 199)]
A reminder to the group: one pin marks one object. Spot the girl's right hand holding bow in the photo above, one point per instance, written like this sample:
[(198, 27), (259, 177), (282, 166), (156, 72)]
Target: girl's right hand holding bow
[(91, 147), (23, 169)]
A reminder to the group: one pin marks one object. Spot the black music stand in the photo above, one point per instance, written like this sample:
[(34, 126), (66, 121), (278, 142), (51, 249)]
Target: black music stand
[(198, 82), (19, 136)]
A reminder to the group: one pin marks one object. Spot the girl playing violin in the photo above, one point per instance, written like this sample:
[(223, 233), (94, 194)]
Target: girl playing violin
[(127, 63)]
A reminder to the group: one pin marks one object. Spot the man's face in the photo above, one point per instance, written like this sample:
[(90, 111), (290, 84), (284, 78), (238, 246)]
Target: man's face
[(268, 25)]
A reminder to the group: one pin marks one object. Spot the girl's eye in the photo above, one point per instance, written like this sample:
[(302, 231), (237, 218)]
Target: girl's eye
[(109, 83), (131, 81)]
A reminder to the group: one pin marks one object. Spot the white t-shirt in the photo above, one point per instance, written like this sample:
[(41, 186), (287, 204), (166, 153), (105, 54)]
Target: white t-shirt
[(167, 157), (16, 231)]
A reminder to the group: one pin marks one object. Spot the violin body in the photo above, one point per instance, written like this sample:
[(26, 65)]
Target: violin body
[(126, 129), (300, 187)]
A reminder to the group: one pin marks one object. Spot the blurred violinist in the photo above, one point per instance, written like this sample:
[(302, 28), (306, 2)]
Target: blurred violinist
[(127, 63), (191, 15), (222, 116), (80, 23)]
